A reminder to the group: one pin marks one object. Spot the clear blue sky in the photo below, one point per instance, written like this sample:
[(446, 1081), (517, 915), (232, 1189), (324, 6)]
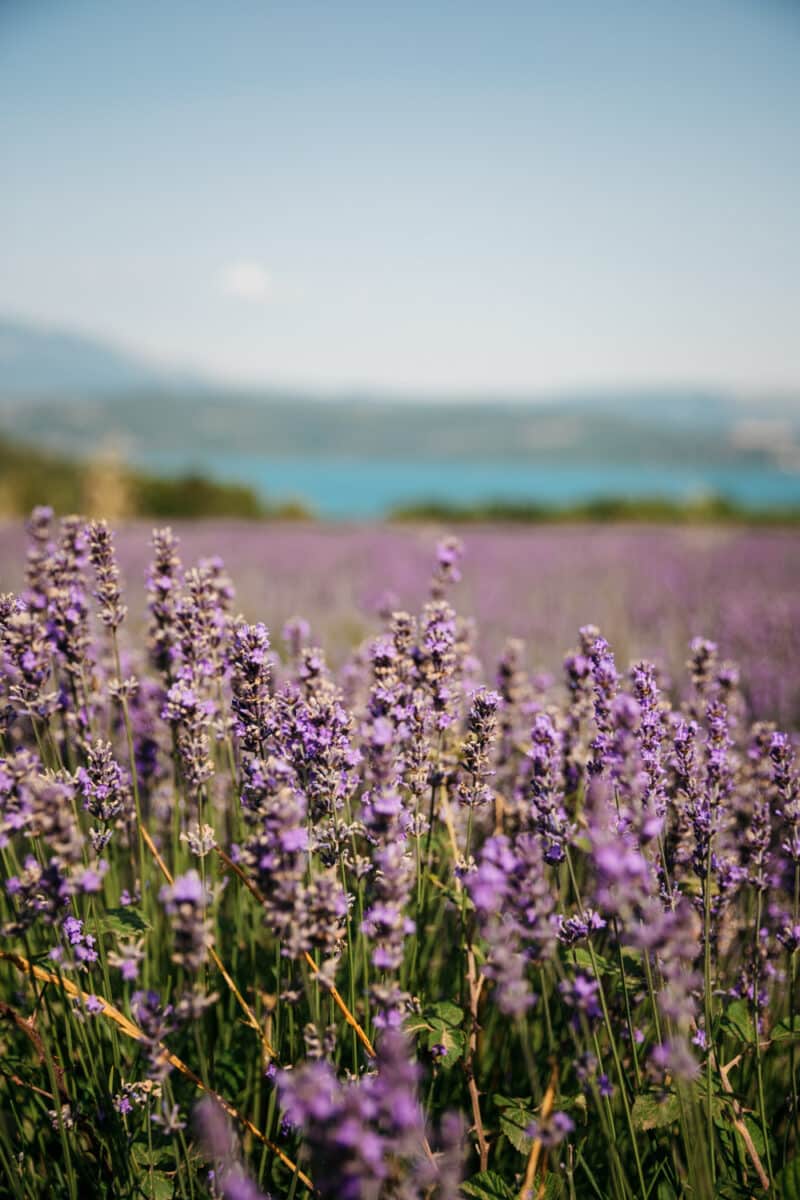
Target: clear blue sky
[(447, 195)]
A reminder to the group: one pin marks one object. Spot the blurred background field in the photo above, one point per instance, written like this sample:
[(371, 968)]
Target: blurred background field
[(649, 589)]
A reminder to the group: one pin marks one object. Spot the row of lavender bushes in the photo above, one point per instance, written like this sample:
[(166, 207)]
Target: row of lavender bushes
[(650, 589), (389, 933)]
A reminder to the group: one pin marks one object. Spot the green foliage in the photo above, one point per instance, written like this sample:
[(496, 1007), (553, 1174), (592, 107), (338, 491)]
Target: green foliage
[(787, 1182), (29, 477), (738, 1020), (128, 922), (515, 1119), (193, 496), (488, 1185), (654, 1111), (439, 1025), (787, 1030), (602, 509)]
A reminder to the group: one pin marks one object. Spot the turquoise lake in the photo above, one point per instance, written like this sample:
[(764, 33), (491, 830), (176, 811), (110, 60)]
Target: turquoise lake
[(356, 489)]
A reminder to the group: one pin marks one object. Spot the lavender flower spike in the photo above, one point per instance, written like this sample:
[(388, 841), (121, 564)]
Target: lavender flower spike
[(108, 594)]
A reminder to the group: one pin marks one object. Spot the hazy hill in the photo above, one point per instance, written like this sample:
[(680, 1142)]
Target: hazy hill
[(39, 362), (73, 393)]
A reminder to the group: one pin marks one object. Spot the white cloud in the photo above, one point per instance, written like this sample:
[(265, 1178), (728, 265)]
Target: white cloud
[(247, 280)]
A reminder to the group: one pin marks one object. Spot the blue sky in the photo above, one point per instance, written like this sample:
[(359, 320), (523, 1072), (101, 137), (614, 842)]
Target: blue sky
[(520, 196)]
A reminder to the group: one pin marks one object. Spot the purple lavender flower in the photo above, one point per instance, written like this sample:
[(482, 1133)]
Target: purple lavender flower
[(219, 1144), (127, 958), (320, 911), (67, 605), (191, 713), (605, 680), (581, 994), (164, 580), (449, 553), (40, 550), (81, 946), (28, 660), (358, 1132), (36, 893), (105, 789), (579, 927), (185, 902), (108, 594), (701, 664), (514, 903), (295, 634), (156, 1021), (251, 674), (385, 921), (577, 668), (313, 734), (18, 774), (652, 733), (675, 1057), (201, 619), (539, 792), (435, 660), (476, 748), (513, 687), (552, 1130)]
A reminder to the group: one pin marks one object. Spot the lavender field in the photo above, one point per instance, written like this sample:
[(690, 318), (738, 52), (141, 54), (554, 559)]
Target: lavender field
[(359, 863), (649, 589)]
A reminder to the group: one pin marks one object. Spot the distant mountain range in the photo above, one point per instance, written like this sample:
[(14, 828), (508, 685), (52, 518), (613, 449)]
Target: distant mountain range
[(38, 362), (78, 394)]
